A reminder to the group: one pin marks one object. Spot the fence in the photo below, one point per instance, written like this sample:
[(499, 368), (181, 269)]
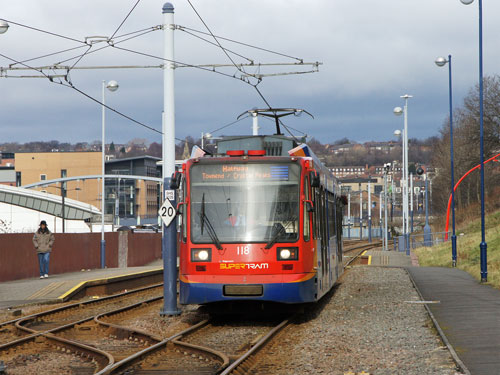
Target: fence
[(76, 251), (418, 240), (354, 232)]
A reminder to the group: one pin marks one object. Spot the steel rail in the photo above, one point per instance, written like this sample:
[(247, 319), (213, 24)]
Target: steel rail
[(239, 364), (16, 323)]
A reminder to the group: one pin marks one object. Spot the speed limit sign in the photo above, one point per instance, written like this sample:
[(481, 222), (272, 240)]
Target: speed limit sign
[(167, 212)]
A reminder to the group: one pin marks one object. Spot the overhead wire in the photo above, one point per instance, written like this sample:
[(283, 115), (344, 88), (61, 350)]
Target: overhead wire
[(44, 31), (184, 28), (51, 54), (242, 78), (240, 69), (141, 31), (214, 44), (227, 125), (111, 44), (125, 19)]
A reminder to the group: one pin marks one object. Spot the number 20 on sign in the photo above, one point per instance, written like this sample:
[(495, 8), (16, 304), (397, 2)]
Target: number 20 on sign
[(167, 212)]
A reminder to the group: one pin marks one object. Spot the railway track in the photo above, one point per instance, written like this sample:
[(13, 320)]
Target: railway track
[(209, 347), (95, 337), (34, 324), (354, 249), (30, 344)]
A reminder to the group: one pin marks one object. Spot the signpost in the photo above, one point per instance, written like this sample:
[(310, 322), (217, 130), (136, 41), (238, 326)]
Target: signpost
[(167, 212)]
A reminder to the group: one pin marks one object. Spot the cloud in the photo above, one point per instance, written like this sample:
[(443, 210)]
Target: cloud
[(373, 52)]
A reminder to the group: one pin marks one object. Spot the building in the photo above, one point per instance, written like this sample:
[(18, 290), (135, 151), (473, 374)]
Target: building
[(33, 167), (129, 198)]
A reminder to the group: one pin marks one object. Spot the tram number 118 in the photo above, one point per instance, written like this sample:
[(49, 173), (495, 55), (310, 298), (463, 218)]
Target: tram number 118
[(242, 250)]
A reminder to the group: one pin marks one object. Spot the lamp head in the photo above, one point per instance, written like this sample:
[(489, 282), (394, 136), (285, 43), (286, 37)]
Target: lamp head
[(4, 26), (398, 111), (397, 132), (466, 2), (441, 61), (112, 86)]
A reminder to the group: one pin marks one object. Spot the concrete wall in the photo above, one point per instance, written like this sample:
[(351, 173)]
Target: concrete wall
[(75, 251)]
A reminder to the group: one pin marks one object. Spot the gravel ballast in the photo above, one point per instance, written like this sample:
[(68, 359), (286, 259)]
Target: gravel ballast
[(368, 325)]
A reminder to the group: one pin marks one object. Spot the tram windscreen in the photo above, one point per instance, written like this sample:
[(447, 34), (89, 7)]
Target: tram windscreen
[(233, 203)]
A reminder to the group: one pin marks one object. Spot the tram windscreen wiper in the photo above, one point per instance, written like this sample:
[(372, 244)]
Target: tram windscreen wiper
[(278, 232), (210, 229)]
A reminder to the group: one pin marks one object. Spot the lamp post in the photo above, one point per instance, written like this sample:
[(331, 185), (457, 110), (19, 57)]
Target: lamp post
[(398, 111), (349, 214), (4, 26), (482, 246), (63, 202), (387, 166), (360, 213), (411, 202), (441, 61), (111, 86), (369, 212), (398, 133)]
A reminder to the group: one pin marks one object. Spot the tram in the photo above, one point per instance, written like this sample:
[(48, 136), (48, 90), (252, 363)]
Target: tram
[(258, 226)]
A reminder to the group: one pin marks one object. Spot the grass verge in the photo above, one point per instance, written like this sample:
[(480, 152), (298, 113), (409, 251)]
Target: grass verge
[(468, 250)]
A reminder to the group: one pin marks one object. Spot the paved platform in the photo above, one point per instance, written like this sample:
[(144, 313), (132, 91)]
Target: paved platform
[(468, 313), (388, 258), (57, 287)]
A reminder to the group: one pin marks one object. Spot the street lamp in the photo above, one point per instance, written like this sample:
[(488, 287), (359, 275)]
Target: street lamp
[(63, 202), (4, 26), (398, 133), (398, 111), (482, 246), (111, 86), (387, 167), (441, 61)]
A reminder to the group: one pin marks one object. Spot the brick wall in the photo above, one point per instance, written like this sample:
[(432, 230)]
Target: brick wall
[(73, 252)]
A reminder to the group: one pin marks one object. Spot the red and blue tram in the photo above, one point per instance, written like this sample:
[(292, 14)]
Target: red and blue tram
[(257, 227)]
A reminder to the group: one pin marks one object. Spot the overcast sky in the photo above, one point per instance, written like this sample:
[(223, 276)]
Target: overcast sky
[(372, 52)]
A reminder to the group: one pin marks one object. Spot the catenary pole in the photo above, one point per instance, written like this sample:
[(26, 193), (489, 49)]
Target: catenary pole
[(349, 215), (169, 240), (369, 213), (103, 180)]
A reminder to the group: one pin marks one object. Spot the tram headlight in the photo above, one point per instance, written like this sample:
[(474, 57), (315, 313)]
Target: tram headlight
[(201, 255), (288, 253)]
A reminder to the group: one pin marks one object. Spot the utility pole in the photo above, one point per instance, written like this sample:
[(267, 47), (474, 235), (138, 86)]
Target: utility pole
[(380, 213), (369, 213), (386, 170), (411, 202), (169, 240), (349, 215), (360, 212)]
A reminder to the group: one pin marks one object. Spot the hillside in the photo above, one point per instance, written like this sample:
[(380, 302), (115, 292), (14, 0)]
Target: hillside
[(468, 249)]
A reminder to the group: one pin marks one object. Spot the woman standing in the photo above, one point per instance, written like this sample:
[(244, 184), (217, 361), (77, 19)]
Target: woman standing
[(43, 241)]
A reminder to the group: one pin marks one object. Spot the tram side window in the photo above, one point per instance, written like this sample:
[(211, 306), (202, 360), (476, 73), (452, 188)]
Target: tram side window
[(331, 214), (184, 212), (307, 215), (317, 216)]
